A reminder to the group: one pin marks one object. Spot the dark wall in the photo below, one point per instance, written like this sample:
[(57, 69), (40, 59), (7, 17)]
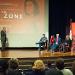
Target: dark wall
[(61, 11)]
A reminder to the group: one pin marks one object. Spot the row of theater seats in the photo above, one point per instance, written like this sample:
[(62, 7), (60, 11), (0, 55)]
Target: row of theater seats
[(26, 63)]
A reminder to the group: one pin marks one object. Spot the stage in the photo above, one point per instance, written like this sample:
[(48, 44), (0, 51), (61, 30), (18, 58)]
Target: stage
[(19, 53)]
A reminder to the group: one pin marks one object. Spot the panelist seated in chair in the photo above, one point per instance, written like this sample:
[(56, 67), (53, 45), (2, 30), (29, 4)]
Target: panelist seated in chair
[(43, 42), (67, 43), (56, 43)]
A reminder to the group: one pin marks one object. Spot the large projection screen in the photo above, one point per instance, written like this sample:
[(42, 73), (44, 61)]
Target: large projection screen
[(25, 21)]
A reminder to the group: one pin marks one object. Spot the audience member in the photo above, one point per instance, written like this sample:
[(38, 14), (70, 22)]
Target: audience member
[(60, 66), (52, 70), (38, 68), (3, 66), (13, 67)]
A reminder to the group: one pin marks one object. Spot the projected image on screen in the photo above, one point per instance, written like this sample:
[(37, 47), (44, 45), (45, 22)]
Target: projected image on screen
[(31, 7), (25, 21)]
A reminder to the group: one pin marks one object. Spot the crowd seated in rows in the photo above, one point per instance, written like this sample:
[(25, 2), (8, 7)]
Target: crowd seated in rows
[(39, 68)]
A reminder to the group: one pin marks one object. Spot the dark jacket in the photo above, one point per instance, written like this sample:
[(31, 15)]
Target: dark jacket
[(13, 72), (53, 71), (3, 36), (37, 72)]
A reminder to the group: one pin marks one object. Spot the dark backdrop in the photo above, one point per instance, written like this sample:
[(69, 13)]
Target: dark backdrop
[(61, 12)]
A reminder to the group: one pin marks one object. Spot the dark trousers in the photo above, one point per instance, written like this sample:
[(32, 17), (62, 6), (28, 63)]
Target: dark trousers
[(3, 45)]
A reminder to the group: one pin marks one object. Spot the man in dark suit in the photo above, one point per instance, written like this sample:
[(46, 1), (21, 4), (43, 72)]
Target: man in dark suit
[(3, 38)]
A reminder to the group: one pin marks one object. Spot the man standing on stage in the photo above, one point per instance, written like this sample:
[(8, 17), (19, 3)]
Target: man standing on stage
[(3, 38)]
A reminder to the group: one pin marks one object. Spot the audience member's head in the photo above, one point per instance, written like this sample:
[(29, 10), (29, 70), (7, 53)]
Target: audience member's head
[(39, 65), (13, 63), (3, 66), (60, 63)]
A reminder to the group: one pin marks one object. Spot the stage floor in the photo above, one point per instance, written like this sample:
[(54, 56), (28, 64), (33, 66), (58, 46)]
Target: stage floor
[(56, 54), (32, 54)]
